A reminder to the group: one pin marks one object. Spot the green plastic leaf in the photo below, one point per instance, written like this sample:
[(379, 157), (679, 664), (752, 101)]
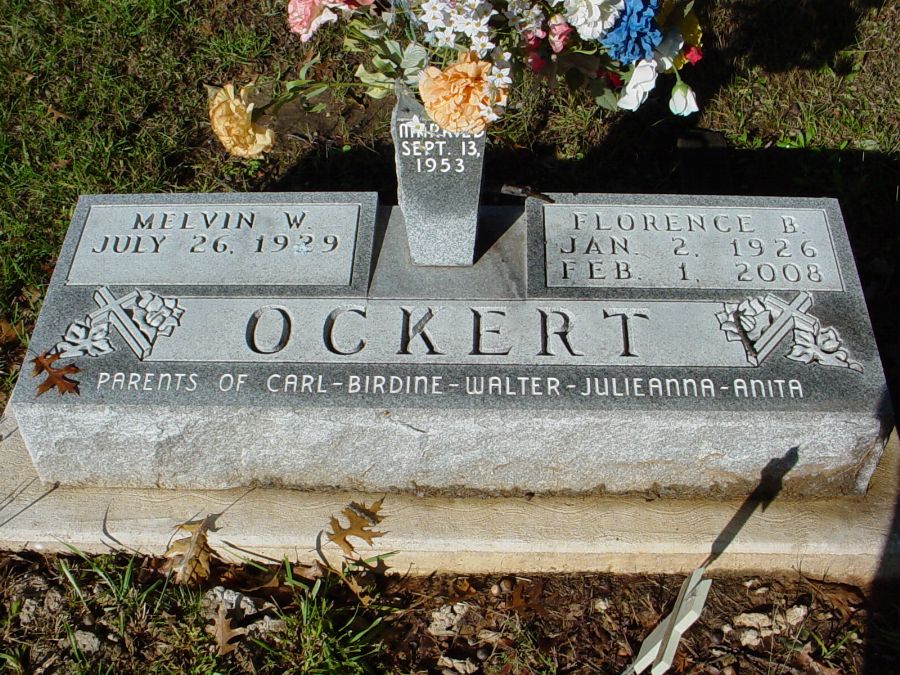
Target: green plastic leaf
[(379, 84), (351, 45), (394, 50), (316, 90), (607, 100), (304, 70), (383, 65), (294, 85), (375, 32), (415, 56)]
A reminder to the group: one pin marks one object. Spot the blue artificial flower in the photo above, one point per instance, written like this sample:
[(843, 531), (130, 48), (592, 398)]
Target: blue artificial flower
[(635, 34)]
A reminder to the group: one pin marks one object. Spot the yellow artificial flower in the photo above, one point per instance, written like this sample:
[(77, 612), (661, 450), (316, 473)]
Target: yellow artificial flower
[(231, 119), (459, 98), (692, 33), (691, 30)]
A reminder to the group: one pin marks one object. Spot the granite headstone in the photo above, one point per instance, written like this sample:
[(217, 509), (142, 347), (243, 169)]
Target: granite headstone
[(611, 343)]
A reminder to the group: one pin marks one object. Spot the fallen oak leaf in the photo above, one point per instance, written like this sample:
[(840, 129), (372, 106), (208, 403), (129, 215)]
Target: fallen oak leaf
[(57, 378), (369, 513), (527, 599), (843, 598), (222, 631), (359, 518), (55, 115), (810, 666), (9, 333), (188, 558)]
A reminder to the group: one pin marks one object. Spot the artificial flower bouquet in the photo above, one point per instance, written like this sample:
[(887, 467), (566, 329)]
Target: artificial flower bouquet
[(463, 56)]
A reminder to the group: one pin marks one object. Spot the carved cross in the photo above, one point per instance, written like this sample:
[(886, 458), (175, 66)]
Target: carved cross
[(112, 309), (660, 646), (781, 326)]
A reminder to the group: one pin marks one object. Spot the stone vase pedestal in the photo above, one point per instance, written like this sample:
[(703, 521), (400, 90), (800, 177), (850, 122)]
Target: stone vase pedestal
[(439, 176)]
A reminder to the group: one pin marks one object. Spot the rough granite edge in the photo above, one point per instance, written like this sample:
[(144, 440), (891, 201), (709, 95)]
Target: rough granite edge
[(345, 443)]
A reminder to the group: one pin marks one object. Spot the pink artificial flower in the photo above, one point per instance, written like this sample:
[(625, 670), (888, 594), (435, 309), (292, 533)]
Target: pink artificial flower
[(534, 61), (355, 4), (305, 16), (693, 54), (559, 33), (533, 38)]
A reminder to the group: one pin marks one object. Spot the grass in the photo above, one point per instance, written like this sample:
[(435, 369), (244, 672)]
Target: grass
[(118, 613)]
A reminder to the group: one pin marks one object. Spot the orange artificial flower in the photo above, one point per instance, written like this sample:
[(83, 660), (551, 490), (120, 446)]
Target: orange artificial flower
[(460, 98)]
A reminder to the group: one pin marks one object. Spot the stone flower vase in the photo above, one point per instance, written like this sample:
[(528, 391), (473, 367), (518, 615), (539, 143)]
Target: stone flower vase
[(439, 178)]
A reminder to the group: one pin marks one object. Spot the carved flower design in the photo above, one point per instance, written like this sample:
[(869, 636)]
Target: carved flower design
[(85, 337), (754, 317), (156, 314), (746, 320), (814, 344)]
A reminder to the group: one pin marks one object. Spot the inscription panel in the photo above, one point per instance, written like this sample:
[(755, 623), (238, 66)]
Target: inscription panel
[(684, 247), (292, 244)]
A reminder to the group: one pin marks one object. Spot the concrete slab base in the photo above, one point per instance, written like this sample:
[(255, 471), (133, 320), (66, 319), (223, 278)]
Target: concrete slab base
[(841, 537)]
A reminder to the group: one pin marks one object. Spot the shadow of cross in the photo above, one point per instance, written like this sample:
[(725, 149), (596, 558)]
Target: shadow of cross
[(781, 326), (112, 309)]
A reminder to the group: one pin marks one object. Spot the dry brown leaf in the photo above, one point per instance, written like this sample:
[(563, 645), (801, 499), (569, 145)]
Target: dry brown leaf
[(843, 598), (804, 659), (31, 295), (57, 378), (9, 333), (527, 599), (357, 589), (222, 631), (308, 572), (55, 115), (61, 164), (360, 519), (460, 587), (188, 558)]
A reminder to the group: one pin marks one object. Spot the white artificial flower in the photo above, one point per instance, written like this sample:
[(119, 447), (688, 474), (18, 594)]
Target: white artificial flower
[(445, 37), (481, 44), (523, 16), (432, 18), (592, 18), (499, 77), (416, 126), (683, 101), (639, 85)]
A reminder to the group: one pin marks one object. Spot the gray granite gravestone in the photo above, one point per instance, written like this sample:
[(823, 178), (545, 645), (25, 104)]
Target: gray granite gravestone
[(438, 185), (603, 343)]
